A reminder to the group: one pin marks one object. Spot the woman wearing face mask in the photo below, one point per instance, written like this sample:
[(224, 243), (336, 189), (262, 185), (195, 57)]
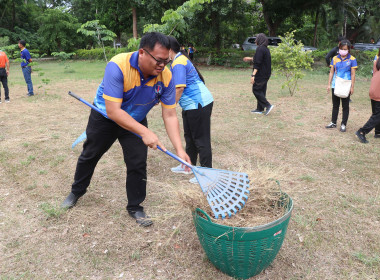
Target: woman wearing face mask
[(344, 66), (196, 102)]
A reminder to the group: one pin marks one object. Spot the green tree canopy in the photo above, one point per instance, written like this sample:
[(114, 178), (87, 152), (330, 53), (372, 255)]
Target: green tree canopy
[(57, 30)]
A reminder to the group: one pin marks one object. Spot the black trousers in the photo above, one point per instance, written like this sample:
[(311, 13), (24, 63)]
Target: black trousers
[(4, 81), (259, 89), (374, 120), (101, 134), (197, 132), (345, 108)]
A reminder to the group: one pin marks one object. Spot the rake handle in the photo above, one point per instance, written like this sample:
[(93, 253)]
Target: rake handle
[(105, 115)]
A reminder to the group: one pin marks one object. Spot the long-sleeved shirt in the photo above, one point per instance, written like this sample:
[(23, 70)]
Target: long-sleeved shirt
[(262, 62), (331, 54)]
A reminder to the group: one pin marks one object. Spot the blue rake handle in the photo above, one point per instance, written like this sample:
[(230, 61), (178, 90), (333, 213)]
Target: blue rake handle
[(166, 152)]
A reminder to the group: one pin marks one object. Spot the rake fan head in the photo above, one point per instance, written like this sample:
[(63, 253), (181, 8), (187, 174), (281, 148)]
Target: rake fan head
[(227, 191)]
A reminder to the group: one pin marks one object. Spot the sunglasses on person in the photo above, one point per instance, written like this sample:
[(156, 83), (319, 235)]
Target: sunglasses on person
[(159, 61)]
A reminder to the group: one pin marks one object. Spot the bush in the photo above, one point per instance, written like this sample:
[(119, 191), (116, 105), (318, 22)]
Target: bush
[(289, 59), (224, 57), (97, 53), (4, 41), (12, 51), (319, 55)]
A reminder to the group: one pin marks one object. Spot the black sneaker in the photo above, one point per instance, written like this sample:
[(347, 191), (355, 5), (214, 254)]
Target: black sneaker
[(361, 137), (331, 125), (70, 201), (270, 108), (376, 136), (342, 128), (257, 112)]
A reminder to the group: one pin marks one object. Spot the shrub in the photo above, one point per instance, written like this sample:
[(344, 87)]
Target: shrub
[(365, 61), (133, 44), (98, 53), (289, 60), (4, 41), (224, 57), (12, 51), (319, 55)]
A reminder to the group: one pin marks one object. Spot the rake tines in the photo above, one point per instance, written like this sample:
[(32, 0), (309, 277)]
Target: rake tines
[(227, 191)]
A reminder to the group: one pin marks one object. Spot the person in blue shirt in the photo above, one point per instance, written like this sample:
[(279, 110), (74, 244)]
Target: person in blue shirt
[(196, 102), (343, 65), (133, 84), (26, 68), (375, 60), (191, 51)]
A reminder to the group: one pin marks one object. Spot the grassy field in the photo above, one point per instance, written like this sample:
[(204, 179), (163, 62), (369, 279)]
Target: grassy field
[(333, 179)]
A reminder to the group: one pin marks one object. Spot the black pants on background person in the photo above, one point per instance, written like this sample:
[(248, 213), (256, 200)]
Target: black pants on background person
[(374, 120), (259, 89), (4, 81), (345, 108), (101, 134), (197, 133)]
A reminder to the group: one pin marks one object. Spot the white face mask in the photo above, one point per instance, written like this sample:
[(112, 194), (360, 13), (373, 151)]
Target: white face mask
[(343, 52)]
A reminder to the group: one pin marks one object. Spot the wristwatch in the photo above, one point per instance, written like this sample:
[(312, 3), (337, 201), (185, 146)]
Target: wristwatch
[(252, 75)]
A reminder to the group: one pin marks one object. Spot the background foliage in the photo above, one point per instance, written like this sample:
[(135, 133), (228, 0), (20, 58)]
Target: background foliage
[(213, 26)]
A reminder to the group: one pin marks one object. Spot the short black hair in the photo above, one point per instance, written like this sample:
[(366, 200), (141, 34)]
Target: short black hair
[(22, 42), (341, 38), (149, 40)]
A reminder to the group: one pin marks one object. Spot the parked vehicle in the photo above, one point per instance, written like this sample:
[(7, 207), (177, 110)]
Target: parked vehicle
[(250, 44), (367, 46)]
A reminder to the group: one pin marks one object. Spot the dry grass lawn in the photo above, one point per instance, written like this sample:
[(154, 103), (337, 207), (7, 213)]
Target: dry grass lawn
[(334, 181)]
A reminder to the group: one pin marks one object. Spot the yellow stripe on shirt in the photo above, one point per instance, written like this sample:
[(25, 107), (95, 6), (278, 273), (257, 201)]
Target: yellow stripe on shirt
[(113, 99)]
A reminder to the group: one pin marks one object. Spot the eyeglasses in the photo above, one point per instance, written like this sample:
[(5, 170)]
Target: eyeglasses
[(159, 61)]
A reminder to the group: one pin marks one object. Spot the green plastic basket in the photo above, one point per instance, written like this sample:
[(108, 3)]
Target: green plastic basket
[(242, 252)]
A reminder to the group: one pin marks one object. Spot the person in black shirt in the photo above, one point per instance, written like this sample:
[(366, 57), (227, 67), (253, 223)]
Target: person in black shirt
[(261, 74), (333, 52)]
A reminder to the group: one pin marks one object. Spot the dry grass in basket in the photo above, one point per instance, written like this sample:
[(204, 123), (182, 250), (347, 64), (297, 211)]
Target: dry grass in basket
[(263, 205)]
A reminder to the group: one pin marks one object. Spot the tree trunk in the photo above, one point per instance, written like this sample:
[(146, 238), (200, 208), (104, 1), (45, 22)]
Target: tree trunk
[(272, 26), (316, 27), (13, 16), (216, 28), (134, 15), (345, 25)]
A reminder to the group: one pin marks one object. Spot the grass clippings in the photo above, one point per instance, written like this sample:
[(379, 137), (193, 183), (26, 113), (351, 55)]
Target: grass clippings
[(265, 202)]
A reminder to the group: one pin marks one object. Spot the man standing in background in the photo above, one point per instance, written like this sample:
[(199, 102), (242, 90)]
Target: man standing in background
[(26, 69), (4, 72)]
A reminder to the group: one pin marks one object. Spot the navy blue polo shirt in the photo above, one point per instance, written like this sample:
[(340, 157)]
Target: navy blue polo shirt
[(25, 56)]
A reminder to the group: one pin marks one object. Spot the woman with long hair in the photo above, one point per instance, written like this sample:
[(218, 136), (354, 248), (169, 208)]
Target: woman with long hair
[(374, 95), (196, 102), (343, 66)]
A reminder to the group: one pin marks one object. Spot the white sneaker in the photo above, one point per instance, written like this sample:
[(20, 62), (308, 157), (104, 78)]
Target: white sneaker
[(193, 180), (180, 169)]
